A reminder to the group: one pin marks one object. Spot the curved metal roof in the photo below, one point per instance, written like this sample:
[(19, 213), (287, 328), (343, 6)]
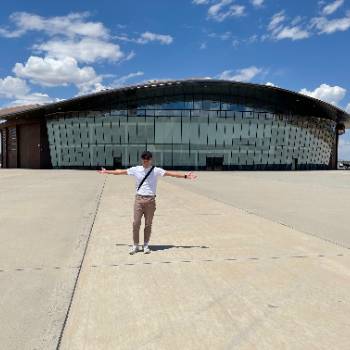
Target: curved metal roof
[(282, 100)]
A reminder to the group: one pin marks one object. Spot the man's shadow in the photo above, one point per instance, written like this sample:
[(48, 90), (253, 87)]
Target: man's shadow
[(167, 246)]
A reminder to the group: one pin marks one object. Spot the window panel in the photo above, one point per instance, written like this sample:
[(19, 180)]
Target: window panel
[(182, 136)]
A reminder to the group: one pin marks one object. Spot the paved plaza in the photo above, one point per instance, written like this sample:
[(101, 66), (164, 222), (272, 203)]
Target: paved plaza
[(240, 260)]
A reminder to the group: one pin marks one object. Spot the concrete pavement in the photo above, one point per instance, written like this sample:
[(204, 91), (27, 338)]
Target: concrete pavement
[(45, 219), (220, 278), (316, 202), (240, 261)]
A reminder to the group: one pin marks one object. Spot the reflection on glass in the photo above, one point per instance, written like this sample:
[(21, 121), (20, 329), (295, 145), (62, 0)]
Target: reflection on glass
[(184, 133)]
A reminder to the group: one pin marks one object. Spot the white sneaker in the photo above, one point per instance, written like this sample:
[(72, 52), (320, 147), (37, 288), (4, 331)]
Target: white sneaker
[(146, 249), (134, 249)]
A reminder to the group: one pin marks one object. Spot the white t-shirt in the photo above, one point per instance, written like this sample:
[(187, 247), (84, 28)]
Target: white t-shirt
[(149, 186)]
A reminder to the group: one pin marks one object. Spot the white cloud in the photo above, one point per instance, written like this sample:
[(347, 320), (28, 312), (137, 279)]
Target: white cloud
[(223, 36), (97, 86), (130, 56), (146, 37), (294, 33), (55, 72), (85, 50), (73, 36), (90, 87), (235, 43), (71, 25), (33, 98), (200, 2), (224, 9), (270, 84), (17, 90), (327, 93), (10, 87), (257, 3), (276, 20), (203, 46), (123, 79), (296, 20), (326, 26), (245, 74), (252, 39), (302, 28), (332, 7), (281, 31)]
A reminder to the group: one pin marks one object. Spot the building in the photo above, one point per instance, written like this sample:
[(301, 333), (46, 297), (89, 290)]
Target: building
[(187, 124)]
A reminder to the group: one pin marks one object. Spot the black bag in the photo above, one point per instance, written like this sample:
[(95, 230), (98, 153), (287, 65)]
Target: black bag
[(143, 180)]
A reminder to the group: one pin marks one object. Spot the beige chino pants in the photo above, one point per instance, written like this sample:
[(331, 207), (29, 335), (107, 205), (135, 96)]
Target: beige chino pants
[(143, 205)]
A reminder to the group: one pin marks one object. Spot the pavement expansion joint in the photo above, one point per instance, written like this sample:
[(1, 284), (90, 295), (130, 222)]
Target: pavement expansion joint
[(182, 215), (238, 259), (242, 259), (43, 268), (91, 226)]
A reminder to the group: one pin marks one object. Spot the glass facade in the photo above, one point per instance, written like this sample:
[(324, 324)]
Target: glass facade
[(191, 132)]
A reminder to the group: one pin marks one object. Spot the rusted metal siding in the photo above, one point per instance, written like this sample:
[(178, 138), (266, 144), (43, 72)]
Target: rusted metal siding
[(25, 144)]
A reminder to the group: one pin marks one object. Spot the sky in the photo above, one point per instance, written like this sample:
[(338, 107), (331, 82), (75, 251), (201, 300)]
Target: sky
[(53, 50)]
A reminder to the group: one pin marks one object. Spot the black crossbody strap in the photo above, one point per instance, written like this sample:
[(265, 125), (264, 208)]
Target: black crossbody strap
[(146, 176)]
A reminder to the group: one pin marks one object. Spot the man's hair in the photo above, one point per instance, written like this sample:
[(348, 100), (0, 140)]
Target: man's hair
[(146, 155)]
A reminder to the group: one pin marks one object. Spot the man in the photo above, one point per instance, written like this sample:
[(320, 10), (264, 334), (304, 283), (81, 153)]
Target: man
[(145, 199)]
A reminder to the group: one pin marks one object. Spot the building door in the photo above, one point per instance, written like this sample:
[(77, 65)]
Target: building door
[(29, 146), (295, 164), (2, 142), (12, 147), (117, 162), (214, 163), (4, 148)]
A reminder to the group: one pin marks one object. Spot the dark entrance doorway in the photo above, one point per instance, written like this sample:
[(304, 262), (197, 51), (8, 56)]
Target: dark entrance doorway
[(12, 147), (3, 149), (295, 164), (29, 146), (117, 162), (214, 163)]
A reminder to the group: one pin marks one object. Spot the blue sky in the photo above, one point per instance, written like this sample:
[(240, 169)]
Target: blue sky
[(54, 50)]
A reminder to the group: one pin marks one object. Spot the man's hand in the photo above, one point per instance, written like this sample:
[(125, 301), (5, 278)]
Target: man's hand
[(191, 176), (188, 175), (102, 171), (113, 172)]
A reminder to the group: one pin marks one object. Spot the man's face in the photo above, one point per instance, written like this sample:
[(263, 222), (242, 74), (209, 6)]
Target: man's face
[(146, 162)]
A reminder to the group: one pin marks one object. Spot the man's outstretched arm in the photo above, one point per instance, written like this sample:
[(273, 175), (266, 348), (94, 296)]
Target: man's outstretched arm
[(188, 175), (113, 172)]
